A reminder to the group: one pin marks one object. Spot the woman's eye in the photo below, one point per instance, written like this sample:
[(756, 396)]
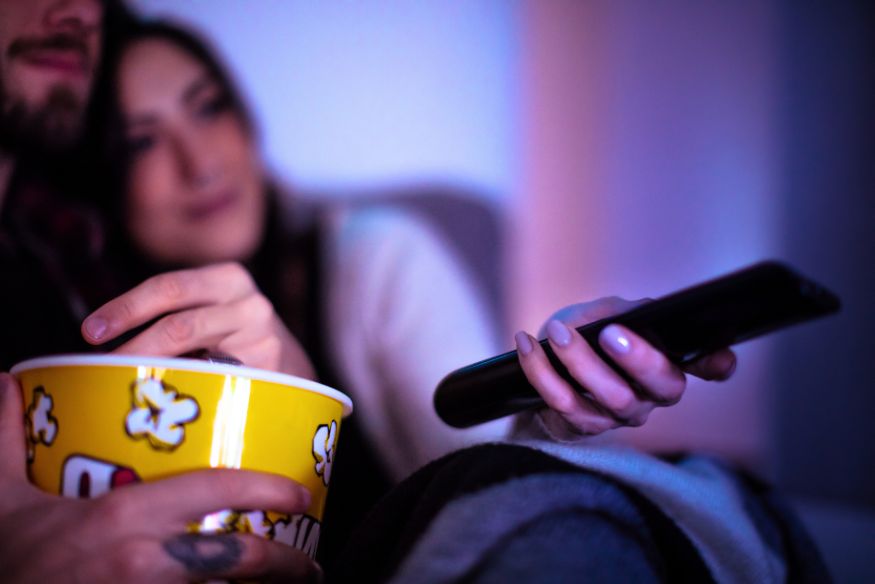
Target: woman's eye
[(213, 107), (140, 144)]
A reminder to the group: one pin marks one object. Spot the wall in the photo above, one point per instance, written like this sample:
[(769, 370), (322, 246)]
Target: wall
[(648, 152), (357, 93), (824, 375)]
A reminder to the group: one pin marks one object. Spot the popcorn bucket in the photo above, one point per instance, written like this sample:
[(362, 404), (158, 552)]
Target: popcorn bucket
[(98, 422)]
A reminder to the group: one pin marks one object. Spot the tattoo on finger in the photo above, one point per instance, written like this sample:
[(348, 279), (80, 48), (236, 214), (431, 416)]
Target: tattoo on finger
[(204, 553)]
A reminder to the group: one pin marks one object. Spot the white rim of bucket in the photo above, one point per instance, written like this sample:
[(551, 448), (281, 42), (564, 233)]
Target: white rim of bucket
[(185, 365)]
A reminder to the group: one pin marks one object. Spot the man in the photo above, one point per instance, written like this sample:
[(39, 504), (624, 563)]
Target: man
[(50, 52), (48, 60)]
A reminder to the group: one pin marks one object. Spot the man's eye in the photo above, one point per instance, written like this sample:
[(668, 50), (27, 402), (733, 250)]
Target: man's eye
[(140, 144)]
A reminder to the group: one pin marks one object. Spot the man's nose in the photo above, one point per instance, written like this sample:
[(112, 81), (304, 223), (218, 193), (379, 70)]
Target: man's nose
[(74, 15)]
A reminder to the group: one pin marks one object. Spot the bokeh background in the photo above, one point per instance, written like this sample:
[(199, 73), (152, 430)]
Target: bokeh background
[(630, 148)]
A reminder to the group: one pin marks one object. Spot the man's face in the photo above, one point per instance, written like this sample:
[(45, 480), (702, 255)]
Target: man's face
[(49, 51)]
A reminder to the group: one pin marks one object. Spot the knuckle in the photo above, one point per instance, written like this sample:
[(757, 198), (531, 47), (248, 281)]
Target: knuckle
[(669, 391), (668, 401), (675, 391), (621, 401), (600, 426), (564, 402), (170, 286), (227, 487), (110, 509), (611, 424), (260, 308), (126, 310), (637, 420), (179, 328), (576, 369), (644, 361), (235, 271), (271, 349), (133, 560), (536, 367), (256, 556)]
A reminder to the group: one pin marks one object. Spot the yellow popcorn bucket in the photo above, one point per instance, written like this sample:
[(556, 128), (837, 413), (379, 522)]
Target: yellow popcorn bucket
[(98, 422)]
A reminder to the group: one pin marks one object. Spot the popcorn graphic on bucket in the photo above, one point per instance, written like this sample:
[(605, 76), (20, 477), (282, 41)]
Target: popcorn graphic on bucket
[(99, 422), (324, 445), (40, 425), (159, 414)]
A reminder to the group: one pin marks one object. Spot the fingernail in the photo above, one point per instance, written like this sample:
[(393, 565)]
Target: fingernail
[(523, 343), (95, 327), (616, 339), (559, 333)]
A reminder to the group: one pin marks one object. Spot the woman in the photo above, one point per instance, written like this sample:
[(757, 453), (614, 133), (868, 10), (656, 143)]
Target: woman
[(230, 265)]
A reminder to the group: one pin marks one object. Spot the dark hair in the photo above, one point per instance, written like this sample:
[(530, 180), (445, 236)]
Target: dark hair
[(110, 161), (109, 125)]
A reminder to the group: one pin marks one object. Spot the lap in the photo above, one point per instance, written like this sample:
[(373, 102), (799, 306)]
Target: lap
[(470, 505)]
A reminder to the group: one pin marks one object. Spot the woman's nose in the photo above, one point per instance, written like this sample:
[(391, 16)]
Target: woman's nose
[(199, 162)]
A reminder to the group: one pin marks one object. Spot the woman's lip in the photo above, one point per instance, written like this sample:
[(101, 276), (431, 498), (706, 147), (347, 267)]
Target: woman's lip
[(205, 209), (65, 61)]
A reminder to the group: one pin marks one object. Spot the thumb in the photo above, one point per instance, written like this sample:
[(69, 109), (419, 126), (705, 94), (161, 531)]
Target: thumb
[(12, 447)]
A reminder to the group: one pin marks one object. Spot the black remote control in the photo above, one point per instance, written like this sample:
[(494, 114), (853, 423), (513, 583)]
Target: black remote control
[(684, 325)]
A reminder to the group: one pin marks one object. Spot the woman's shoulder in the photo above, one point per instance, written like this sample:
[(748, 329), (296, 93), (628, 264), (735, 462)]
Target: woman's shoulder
[(374, 238), (362, 222), (348, 219)]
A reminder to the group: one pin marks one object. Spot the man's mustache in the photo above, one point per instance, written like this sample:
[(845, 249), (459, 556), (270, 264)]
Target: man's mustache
[(58, 42)]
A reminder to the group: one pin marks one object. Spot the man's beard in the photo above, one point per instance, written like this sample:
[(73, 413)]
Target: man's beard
[(50, 130)]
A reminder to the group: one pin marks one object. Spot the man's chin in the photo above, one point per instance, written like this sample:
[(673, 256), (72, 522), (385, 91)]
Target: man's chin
[(51, 131)]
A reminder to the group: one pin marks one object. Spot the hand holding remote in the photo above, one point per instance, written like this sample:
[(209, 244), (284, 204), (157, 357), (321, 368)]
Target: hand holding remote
[(609, 400), (687, 328)]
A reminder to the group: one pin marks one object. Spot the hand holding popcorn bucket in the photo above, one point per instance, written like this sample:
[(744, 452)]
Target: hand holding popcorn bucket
[(98, 422)]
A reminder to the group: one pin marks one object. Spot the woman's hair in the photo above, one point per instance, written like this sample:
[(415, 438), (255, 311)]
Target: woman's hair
[(109, 126), (105, 174)]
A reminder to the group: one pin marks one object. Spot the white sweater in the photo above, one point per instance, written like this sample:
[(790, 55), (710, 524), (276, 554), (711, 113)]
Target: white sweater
[(402, 313)]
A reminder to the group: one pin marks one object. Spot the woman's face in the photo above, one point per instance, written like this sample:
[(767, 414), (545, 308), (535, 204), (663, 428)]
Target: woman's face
[(195, 183)]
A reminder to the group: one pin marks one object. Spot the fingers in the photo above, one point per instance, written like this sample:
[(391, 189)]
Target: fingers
[(165, 293), (718, 366), (655, 380), (192, 557), (247, 329), (582, 415), (613, 400), (207, 326), (277, 352), (188, 497), (605, 386), (12, 447), (660, 379), (239, 557)]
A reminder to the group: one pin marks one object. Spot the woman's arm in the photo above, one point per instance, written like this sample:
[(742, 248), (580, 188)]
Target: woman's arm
[(403, 313)]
